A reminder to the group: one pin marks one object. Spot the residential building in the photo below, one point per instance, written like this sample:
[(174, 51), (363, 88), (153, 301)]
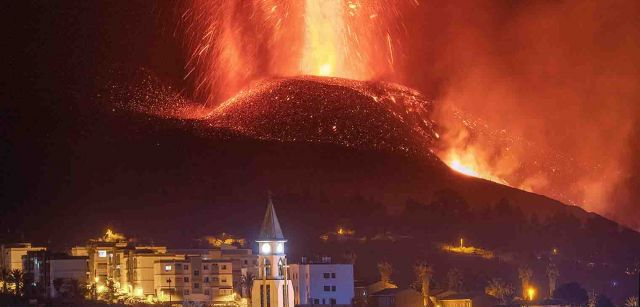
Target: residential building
[(322, 282), (193, 279), (49, 269), (272, 287), (12, 256), (243, 260), (465, 299)]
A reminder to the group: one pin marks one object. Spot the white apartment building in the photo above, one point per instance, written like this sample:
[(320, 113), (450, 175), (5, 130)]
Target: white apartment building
[(12, 256), (322, 282)]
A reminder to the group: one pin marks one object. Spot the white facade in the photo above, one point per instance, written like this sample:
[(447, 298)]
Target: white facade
[(76, 268), (322, 283)]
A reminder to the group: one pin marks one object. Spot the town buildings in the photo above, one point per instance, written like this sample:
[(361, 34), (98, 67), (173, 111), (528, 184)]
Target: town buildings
[(57, 272), (13, 256), (322, 282)]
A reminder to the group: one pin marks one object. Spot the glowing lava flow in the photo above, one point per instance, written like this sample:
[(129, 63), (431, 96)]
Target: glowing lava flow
[(469, 164)]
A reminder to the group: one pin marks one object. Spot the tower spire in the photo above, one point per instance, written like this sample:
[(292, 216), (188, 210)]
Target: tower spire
[(270, 229)]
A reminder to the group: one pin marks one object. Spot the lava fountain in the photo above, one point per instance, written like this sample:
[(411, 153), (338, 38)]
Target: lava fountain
[(232, 43)]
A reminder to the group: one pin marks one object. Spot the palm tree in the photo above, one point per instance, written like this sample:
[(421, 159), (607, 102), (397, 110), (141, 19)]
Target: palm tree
[(552, 274), (424, 272), (500, 290), (454, 280), (525, 273), (385, 269), (246, 283), (4, 276), (16, 277), (631, 302)]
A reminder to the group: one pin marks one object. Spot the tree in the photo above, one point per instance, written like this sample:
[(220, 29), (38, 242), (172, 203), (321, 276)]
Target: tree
[(110, 291), (525, 274), (603, 301), (572, 293), (500, 290), (424, 272), (4, 276), (350, 257), (16, 277), (57, 285), (246, 283), (454, 280), (76, 289), (631, 302), (385, 269), (552, 275)]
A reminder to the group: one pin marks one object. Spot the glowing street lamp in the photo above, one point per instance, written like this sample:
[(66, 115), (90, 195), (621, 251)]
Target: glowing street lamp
[(531, 293)]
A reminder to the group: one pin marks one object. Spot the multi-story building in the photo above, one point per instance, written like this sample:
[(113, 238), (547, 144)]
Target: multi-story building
[(322, 282), (48, 269), (243, 261), (13, 256), (194, 279)]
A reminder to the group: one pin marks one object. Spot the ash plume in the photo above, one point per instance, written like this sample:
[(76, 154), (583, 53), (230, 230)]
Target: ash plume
[(560, 77)]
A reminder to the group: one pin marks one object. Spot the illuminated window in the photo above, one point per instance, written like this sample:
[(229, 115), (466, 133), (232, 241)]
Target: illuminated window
[(167, 268), (280, 248), (102, 254)]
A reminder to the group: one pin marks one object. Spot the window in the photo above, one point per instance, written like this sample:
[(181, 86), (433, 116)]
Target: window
[(206, 279), (185, 266), (207, 292), (323, 302), (327, 289), (333, 288), (186, 279), (196, 273), (333, 275), (333, 301), (224, 267), (215, 279), (224, 280), (178, 266), (102, 254), (167, 268), (196, 285), (246, 262), (205, 267), (316, 301), (186, 291), (326, 275)]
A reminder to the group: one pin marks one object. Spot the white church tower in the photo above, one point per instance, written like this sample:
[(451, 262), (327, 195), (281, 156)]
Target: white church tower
[(272, 287)]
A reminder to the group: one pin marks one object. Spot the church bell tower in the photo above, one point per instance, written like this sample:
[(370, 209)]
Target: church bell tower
[(272, 287)]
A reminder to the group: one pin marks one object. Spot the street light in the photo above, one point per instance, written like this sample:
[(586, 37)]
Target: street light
[(531, 292)]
